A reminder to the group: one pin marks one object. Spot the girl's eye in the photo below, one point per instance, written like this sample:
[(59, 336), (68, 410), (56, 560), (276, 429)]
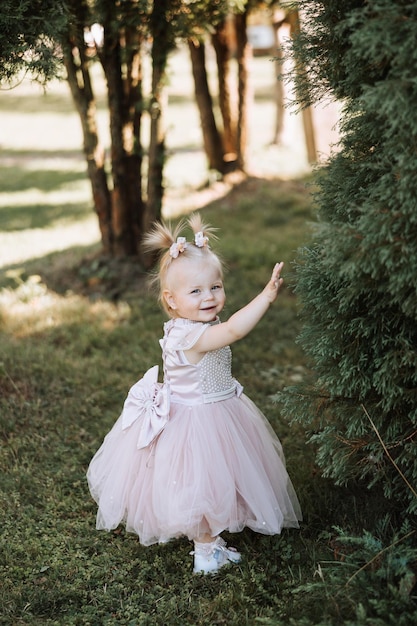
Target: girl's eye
[(195, 291), (216, 287)]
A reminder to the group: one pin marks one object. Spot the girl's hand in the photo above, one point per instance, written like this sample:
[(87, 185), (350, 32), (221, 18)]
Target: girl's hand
[(272, 288), (241, 322)]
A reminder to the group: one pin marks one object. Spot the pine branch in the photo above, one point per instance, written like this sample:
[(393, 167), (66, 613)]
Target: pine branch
[(412, 532), (414, 492)]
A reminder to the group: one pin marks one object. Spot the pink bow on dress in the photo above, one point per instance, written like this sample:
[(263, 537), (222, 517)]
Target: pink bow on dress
[(147, 400)]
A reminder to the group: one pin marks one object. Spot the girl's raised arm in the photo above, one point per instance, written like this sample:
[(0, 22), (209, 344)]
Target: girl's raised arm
[(244, 320)]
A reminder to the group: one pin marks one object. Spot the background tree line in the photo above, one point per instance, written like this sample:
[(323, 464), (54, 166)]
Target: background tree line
[(122, 36)]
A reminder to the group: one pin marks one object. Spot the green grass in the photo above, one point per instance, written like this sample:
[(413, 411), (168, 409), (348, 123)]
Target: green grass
[(75, 332)]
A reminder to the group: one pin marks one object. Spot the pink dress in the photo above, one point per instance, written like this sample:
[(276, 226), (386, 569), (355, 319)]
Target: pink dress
[(192, 456)]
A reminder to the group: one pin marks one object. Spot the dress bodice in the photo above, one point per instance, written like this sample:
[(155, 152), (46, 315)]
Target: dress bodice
[(209, 380)]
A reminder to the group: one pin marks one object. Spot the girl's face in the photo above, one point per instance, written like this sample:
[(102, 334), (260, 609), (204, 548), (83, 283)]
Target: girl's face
[(195, 289)]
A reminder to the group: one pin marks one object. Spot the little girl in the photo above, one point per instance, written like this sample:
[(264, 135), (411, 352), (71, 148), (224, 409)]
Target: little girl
[(194, 456)]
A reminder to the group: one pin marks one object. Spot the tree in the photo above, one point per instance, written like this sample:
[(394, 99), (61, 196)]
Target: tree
[(163, 30), (227, 23), (213, 22), (125, 208), (212, 139), (356, 280), (77, 64), (49, 32)]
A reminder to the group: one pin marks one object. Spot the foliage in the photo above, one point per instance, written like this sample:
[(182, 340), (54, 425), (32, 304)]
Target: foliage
[(357, 291), (367, 583), (356, 280), (29, 30)]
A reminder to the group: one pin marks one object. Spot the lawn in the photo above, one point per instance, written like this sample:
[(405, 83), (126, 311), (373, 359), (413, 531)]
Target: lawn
[(78, 331), (69, 354)]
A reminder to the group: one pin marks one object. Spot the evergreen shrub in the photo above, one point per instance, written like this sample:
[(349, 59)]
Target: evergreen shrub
[(356, 282), (357, 279)]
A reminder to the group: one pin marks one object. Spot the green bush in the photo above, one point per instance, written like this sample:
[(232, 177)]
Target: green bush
[(356, 281)]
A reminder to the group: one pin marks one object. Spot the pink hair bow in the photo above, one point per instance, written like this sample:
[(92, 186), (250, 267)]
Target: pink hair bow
[(147, 400), (177, 247), (200, 239)]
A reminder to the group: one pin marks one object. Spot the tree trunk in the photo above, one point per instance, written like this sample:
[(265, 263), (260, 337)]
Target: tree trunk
[(156, 154), (308, 123), (211, 136), (124, 242), (279, 85), (79, 81), (132, 131), (244, 54), (162, 43), (121, 61), (221, 44)]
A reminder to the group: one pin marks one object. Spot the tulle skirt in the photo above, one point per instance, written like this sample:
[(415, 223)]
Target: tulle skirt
[(214, 467)]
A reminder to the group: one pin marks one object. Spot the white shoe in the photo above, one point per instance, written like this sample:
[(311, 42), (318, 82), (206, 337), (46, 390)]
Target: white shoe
[(210, 557)]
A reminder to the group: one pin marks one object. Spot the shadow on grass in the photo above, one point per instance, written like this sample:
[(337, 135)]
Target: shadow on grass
[(21, 156), (14, 179), (26, 217), (81, 270)]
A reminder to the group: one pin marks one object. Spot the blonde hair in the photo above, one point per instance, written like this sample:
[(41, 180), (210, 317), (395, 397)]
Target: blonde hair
[(160, 240)]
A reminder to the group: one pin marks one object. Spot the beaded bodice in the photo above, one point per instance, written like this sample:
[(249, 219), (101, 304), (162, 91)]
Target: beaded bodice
[(215, 370)]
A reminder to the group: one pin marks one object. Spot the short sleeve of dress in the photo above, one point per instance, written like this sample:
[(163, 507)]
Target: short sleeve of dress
[(189, 336)]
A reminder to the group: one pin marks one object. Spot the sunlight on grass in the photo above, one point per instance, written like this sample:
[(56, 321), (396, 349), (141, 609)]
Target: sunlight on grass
[(46, 211), (35, 243), (32, 308), (73, 193)]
